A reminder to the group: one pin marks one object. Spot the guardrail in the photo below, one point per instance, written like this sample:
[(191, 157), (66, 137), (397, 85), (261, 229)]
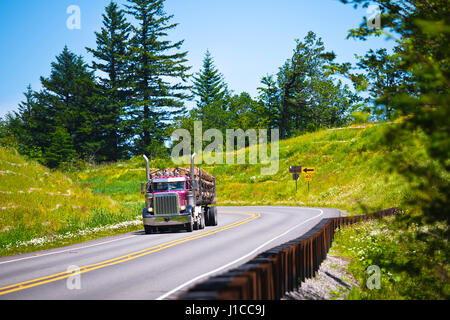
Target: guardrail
[(274, 272)]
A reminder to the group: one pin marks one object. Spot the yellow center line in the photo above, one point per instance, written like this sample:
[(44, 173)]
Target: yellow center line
[(127, 257)]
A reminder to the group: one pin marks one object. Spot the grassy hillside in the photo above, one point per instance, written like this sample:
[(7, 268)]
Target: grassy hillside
[(351, 174), (37, 205)]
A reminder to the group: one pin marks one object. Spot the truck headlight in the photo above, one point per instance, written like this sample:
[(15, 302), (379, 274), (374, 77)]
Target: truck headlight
[(183, 208), (150, 210)]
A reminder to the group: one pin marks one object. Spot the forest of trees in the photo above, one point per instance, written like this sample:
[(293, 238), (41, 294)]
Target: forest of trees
[(134, 94)]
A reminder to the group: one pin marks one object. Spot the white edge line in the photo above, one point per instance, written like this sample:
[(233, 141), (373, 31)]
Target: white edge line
[(72, 249), (237, 260)]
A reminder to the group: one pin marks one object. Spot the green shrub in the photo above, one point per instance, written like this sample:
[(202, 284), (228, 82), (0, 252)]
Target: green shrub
[(410, 268)]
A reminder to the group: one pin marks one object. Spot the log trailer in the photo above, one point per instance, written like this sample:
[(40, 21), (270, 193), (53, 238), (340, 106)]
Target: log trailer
[(178, 197)]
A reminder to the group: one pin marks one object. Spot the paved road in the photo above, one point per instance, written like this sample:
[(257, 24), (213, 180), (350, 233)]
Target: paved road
[(157, 266)]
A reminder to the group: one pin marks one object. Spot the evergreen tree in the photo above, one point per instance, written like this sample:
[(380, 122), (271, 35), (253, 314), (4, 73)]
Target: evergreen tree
[(28, 127), (209, 85), (304, 97), (156, 68), (331, 103), (269, 99), (244, 112), (379, 74), (24, 131), (295, 80), (71, 100), (25, 107), (60, 150), (111, 53), (212, 96)]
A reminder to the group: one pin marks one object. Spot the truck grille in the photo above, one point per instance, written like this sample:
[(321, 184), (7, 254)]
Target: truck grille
[(166, 203)]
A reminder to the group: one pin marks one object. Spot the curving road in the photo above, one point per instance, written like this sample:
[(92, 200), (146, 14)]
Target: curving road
[(159, 266)]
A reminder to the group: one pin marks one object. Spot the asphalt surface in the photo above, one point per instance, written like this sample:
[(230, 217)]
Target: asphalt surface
[(157, 266)]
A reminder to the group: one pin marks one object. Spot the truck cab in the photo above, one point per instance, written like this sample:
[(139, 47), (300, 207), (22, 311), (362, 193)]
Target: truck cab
[(174, 198), (170, 185)]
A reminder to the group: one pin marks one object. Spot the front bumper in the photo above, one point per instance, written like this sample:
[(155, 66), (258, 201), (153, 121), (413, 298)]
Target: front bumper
[(167, 220)]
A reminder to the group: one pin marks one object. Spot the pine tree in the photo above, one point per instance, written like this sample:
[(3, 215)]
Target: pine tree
[(209, 85), (269, 98), (61, 149), (212, 96), (293, 80), (305, 88), (111, 53), (29, 125), (382, 76), (244, 112), (158, 77), (24, 131), (71, 99)]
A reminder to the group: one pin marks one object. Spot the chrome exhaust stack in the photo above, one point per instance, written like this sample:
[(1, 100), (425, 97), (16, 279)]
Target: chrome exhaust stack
[(147, 167), (192, 166), (193, 184)]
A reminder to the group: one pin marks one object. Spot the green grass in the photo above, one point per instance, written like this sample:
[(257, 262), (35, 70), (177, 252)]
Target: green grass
[(36, 203), (409, 270), (351, 165)]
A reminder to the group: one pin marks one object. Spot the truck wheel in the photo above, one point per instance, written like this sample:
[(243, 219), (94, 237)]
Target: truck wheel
[(207, 216), (202, 221), (148, 230), (196, 225), (190, 227), (213, 216)]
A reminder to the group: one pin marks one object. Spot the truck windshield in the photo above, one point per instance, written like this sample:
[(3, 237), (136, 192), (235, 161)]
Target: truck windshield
[(176, 186), (164, 186), (160, 186)]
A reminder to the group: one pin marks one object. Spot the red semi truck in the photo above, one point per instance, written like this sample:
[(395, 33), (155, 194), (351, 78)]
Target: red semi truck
[(178, 197)]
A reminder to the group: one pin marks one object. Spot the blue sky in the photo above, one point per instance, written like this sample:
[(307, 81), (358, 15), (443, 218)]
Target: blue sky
[(247, 38)]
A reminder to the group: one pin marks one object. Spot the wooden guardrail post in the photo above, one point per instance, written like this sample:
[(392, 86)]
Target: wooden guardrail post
[(278, 270)]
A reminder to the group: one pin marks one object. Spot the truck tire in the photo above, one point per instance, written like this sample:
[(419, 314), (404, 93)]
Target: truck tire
[(190, 227), (202, 221), (213, 216), (207, 216), (196, 225), (148, 230)]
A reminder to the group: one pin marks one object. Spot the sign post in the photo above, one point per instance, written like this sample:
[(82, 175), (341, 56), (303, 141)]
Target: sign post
[(295, 176), (308, 178), (308, 173), (295, 170)]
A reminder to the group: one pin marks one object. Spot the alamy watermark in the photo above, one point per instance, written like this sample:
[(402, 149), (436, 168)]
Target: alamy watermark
[(235, 140), (374, 280), (74, 281), (73, 22), (373, 17)]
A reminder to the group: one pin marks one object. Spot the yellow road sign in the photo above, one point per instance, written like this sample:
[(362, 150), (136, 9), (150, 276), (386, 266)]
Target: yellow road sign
[(308, 170), (308, 177)]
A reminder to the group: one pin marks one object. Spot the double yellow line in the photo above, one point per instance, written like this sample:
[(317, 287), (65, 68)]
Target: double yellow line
[(131, 256)]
